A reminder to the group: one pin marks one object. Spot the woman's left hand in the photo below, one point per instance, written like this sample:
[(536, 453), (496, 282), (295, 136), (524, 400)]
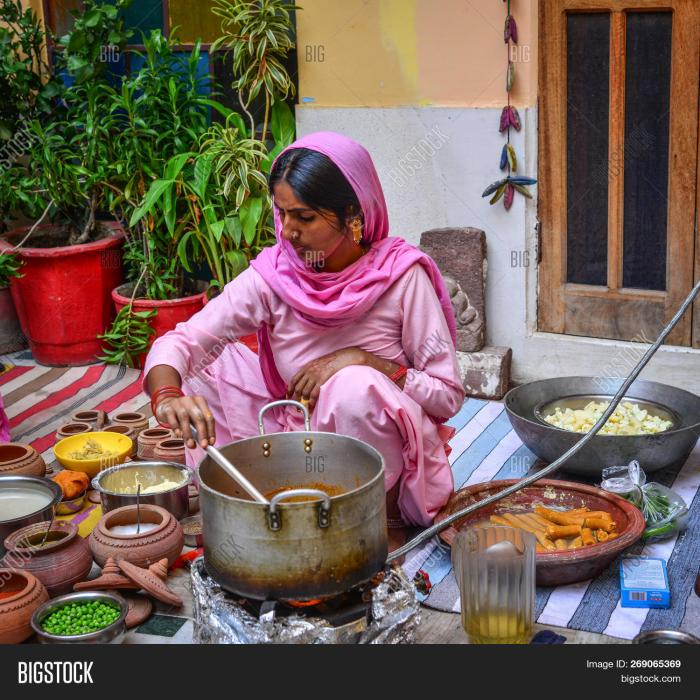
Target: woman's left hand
[(306, 384)]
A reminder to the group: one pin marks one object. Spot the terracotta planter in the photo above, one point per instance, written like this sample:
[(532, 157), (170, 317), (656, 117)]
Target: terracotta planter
[(171, 450), (97, 419), (17, 459), (11, 336), (148, 439), (165, 541), (58, 564), (63, 298), (138, 422), (124, 430), (26, 594), (170, 312), (72, 429)]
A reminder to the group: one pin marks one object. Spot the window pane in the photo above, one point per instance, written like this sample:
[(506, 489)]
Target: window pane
[(588, 63), (142, 16), (647, 100), (194, 21)]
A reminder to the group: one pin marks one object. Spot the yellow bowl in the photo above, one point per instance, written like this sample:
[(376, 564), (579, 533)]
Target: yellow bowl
[(114, 442)]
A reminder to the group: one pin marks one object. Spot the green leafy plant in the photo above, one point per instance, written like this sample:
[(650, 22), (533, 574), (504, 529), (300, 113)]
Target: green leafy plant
[(28, 90), (69, 158), (158, 112), (9, 267), (128, 337), (258, 35)]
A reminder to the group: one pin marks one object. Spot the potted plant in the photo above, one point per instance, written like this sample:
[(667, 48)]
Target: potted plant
[(72, 262), (208, 204), (158, 115)]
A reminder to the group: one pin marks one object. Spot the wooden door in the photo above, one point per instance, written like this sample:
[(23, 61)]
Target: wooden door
[(618, 152)]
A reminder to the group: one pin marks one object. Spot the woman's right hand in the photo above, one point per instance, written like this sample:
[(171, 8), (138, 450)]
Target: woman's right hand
[(179, 412)]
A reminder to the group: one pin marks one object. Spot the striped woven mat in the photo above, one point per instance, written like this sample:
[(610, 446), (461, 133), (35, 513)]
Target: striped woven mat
[(39, 400), (485, 448)]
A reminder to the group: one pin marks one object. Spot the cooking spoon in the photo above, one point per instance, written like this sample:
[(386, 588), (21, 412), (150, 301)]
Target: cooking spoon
[(219, 458)]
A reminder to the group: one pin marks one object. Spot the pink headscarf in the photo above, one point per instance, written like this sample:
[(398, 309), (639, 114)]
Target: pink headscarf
[(333, 299)]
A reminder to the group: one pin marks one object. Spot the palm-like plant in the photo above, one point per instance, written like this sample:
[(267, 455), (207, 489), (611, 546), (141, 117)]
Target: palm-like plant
[(257, 34)]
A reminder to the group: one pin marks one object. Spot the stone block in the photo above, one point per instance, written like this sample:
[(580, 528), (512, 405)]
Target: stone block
[(485, 374), (460, 253)]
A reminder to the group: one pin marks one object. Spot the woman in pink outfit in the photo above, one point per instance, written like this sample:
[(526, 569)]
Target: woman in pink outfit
[(355, 324)]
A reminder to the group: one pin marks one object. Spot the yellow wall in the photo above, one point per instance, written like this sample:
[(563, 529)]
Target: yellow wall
[(413, 52)]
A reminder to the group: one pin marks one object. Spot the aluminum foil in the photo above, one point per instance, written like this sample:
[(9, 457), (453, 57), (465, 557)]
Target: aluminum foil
[(219, 619)]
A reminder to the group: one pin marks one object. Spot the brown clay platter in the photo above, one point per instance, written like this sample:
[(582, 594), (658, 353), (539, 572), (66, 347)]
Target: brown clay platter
[(558, 567)]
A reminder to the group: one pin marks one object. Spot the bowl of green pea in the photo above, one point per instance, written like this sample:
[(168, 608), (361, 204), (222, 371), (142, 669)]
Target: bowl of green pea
[(88, 617)]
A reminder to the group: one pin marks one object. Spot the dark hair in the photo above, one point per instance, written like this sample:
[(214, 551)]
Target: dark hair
[(317, 181)]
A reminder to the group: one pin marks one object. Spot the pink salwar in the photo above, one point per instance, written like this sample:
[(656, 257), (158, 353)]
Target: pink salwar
[(406, 325)]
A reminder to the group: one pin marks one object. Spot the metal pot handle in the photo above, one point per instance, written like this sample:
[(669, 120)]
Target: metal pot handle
[(282, 402), (324, 510)]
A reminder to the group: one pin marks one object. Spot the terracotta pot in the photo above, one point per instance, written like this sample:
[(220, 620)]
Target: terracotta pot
[(72, 429), (165, 541), (17, 459), (171, 450), (124, 430), (136, 421), (170, 312), (63, 298), (58, 564), (148, 440), (97, 419), (27, 593), (11, 336)]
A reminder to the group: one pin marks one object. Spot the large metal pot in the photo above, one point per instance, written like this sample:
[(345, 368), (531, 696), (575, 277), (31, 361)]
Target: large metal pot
[(295, 550)]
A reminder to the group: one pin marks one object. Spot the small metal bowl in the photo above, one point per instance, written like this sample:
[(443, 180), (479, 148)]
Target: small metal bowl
[(112, 634), (665, 637), (71, 506), (175, 501)]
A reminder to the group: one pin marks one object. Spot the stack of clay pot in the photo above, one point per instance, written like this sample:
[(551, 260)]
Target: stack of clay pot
[(137, 421), (73, 428), (97, 419), (148, 439), (17, 459), (63, 560)]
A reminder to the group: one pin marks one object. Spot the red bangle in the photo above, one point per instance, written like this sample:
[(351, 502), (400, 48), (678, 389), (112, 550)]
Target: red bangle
[(161, 393), (400, 372)]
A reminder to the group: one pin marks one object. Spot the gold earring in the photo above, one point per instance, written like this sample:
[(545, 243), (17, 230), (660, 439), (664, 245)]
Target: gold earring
[(357, 231)]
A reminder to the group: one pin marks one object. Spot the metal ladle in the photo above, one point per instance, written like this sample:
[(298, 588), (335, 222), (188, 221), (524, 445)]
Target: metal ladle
[(241, 480), (458, 515)]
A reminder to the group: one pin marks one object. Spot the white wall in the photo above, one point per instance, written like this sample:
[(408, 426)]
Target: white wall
[(434, 163)]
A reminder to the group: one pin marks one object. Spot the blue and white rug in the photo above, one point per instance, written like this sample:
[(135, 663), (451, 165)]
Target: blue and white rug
[(486, 448)]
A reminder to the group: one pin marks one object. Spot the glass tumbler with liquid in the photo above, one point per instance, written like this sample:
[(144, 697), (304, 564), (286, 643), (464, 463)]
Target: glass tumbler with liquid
[(495, 571)]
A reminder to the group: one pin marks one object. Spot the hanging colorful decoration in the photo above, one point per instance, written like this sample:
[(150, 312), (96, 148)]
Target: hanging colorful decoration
[(506, 187)]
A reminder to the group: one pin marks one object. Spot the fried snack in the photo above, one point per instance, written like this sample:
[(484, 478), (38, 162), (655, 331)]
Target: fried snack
[(520, 522), (599, 524), (587, 537), (576, 543), (560, 543), (499, 520), (556, 531), (602, 536), (528, 517), (72, 483), (571, 517), (539, 548)]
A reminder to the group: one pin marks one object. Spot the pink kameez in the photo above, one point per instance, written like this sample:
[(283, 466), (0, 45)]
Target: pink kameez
[(406, 325)]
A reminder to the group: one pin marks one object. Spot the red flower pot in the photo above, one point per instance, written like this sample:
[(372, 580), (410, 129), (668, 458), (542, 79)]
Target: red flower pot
[(63, 297), (170, 312)]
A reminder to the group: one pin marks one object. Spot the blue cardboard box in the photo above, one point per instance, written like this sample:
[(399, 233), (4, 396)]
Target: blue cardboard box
[(644, 582)]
